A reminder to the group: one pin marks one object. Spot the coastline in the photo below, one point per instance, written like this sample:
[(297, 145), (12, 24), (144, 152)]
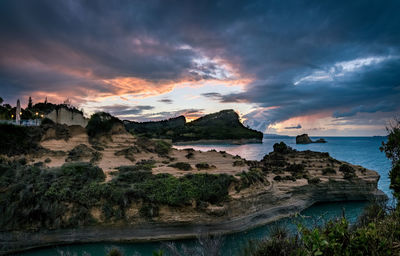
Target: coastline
[(19, 241), (210, 142)]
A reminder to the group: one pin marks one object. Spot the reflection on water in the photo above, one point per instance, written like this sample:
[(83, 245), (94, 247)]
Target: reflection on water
[(361, 151)]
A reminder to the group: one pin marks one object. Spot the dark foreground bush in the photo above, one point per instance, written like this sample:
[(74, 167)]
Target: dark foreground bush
[(204, 166), (181, 166), (251, 177), (328, 171), (19, 140), (379, 236), (35, 198), (282, 148), (348, 171)]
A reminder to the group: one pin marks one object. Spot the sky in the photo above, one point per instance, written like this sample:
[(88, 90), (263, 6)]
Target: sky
[(326, 68)]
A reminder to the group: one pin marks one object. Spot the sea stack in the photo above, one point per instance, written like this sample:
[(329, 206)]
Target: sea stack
[(304, 139)]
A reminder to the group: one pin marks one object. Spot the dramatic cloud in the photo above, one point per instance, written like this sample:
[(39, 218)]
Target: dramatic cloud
[(123, 110), (166, 100), (190, 114), (212, 95), (293, 127), (299, 58)]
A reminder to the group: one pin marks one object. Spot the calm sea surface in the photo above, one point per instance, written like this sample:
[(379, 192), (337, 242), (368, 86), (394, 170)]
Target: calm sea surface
[(362, 151)]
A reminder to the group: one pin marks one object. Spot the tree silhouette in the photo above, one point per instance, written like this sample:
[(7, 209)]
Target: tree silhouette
[(30, 103)]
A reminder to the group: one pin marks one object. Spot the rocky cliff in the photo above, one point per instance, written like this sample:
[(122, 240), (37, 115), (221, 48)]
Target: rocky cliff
[(223, 125), (284, 182)]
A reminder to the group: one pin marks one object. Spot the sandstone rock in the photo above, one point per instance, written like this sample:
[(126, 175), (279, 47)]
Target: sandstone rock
[(303, 139)]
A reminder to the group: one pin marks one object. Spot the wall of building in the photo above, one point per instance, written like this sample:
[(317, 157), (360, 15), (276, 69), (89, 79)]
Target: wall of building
[(68, 117)]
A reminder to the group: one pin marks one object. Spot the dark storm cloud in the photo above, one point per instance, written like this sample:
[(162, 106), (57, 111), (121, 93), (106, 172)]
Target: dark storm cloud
[(164, 115), (293, 127), (123, 110), (212, 95), (74, 46), (166, 100)]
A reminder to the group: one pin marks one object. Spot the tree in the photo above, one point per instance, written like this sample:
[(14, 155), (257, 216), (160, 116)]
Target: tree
[(392, 151), (30, 103), (392, 146), (1, 100)]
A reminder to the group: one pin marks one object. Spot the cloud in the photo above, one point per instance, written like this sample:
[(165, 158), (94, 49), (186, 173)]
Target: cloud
[(212, 95), (124, 110), (190, 114), (293, 127), (166, 100), (334, 59)]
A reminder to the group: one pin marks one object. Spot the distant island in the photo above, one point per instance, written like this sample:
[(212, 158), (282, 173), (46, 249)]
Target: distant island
[(221, 126), (304, 139)]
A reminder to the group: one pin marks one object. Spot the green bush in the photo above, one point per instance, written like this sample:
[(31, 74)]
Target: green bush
[(295, 168), (203, 166), (162, 147), (314, 180), (114, 252), (348, 171), (19, 140), (101, 123), (181, 166), (394, 175), (238, 163), (282, 148), (328, 171), (189, 155), (149, 210), (251, 177)]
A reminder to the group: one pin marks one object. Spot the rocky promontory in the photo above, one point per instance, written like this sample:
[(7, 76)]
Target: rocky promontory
[(304, 139), (119, 187)]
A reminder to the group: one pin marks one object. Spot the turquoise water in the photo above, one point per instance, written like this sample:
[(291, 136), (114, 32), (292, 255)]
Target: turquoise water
[(362, 151)]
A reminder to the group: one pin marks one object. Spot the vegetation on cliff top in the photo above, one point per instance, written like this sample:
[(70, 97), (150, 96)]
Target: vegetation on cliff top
[(36, 198), (101, 123), (376, 233), (17, 140), (224, 125)]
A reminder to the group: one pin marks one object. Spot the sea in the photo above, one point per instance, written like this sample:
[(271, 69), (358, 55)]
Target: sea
[(362, 151)]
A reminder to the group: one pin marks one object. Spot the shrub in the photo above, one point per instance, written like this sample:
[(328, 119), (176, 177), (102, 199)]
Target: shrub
[(189, 155), (101, 123), (394, 175), (251, 177), (149, 210), (278, 178), (19, 140), (238, 163), (314, 180), (328, 171), (128, 153), (114, 252), (181, 166), (295, 168), (162, 147), (79, 152), (282, 148), (348, 171), (203, 166)]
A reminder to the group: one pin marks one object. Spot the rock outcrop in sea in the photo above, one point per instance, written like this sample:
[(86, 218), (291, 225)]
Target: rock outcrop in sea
[(304, 139)]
